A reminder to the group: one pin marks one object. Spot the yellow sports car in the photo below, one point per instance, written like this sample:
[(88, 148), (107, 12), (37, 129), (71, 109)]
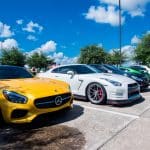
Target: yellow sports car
[(22, 97)]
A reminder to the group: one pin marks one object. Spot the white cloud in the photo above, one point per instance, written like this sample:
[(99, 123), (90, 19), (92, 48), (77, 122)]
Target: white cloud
[(135, 40), (31, 38), (32, 27), (107, 11), (5, 31), (20, 21), (132, 7), (60, 58), (49, 46), (104, 15), (68, 60), (58, 55), (8, 44), (127, 50)]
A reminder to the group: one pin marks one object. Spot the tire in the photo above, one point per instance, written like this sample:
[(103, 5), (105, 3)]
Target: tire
[(96, 93)]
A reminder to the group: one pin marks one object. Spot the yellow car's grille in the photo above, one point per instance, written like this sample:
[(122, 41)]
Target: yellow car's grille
[(52, 101)]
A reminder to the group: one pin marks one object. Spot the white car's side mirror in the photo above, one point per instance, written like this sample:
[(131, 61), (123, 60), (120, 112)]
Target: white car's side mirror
[(71, 73)]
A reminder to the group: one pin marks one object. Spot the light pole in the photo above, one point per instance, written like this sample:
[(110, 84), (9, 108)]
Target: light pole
[(120, 30)]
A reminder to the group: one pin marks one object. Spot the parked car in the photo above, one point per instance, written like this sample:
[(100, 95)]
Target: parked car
[(139, 68), (135, 72), (130, 70), (22, 97), (91, 84), (146, 67), (140, 79), (142, 70)]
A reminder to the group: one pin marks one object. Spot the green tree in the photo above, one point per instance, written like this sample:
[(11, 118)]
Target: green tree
[(142, 52), (12, 57), (38, 60), (92, 54), (108, 58), (116, 57)]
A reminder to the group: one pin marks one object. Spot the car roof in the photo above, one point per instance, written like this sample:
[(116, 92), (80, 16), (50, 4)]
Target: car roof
[(67, 65), (70, 65), (10, 66)]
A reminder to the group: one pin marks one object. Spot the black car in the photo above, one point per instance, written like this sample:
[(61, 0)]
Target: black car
[(141, 79)]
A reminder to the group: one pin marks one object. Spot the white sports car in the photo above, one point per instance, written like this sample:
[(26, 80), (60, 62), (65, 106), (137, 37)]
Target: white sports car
[(88, 83)]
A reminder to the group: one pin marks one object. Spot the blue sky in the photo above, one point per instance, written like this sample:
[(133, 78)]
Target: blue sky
[(60, 28)]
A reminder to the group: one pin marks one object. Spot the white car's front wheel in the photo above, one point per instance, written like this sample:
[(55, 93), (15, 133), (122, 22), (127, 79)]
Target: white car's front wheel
[(95, 93)]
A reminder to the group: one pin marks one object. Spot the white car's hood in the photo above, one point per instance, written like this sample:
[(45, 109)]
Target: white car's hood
[(114, 77)]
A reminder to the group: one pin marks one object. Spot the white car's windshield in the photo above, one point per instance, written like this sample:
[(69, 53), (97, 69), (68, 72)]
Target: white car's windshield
[(77, 69), (94, 69)]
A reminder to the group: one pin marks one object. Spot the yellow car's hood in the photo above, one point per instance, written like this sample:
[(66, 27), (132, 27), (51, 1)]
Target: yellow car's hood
[(35, 87)]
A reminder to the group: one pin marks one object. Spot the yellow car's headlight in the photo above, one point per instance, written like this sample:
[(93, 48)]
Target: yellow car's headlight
[(15, 97)]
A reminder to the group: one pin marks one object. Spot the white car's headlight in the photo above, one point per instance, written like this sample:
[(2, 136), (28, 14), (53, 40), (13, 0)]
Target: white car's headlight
[(14, 97), (136, 78), (115, 83)]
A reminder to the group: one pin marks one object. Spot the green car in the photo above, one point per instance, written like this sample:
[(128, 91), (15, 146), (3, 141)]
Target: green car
[(141, 69), (130, 70), (135, 72)]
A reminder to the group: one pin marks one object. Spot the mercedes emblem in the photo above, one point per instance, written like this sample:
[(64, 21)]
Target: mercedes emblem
[(58, 100)]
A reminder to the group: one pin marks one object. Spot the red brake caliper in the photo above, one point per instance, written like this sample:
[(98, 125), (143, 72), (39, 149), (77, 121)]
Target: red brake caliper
[(100, 92)]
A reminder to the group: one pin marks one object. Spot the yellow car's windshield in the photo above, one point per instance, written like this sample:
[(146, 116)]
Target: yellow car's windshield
[(13, 72)]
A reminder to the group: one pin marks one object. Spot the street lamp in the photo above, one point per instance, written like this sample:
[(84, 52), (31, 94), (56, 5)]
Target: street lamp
[(120, 30)]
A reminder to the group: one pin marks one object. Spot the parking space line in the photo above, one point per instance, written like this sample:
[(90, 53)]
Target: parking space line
[(148, 108), (111, 112), (118, 132)]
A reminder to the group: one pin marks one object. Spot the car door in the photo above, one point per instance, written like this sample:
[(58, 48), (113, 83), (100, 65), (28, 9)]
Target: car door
[(53, 74), (61, 73)]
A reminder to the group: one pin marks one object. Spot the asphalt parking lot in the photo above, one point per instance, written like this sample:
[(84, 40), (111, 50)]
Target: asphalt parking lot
[(86, 126)]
